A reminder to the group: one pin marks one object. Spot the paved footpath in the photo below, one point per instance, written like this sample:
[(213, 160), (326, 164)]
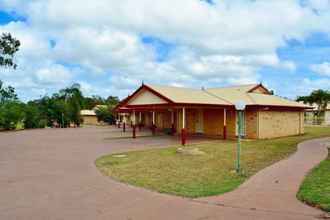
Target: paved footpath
[(50, 174), (274, 189)]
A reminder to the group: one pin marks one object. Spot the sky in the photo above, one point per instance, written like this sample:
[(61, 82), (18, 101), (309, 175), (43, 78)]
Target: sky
[(110, 47)]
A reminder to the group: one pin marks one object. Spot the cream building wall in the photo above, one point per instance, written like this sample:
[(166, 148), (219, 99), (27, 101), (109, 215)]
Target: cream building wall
[(90, 120), (280, 123)]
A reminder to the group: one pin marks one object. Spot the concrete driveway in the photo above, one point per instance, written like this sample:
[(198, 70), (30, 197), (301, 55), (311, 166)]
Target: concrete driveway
[(50, 174)]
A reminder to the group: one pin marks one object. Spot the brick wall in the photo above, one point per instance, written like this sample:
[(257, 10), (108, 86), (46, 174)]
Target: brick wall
[(280, 123), (251, 124)]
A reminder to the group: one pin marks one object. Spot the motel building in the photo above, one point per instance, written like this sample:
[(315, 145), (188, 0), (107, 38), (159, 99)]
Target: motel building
[(211, 112)]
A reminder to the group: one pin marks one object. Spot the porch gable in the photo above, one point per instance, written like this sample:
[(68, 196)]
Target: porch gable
[(145, 97)]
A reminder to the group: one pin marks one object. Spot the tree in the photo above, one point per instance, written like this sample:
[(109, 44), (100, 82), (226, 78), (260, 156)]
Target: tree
[(7, 93), (8, 47), (10, 108), (104, 113), (33, 116), (11, 113), (74, 99), (319, 97), (91, 102), (112, 101)]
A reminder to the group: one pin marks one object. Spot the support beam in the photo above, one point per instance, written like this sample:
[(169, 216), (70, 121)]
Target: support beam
[(183, 130), (140, 117), (224, 124), (153, 126), (140, 120)]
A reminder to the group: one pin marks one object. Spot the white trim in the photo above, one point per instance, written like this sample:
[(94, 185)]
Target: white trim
[(153, 117)]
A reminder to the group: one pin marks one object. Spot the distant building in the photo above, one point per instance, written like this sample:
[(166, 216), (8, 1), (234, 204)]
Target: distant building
[(312, 118), (89, 117)]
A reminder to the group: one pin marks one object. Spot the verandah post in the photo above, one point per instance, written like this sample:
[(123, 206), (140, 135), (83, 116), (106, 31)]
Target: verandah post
[(153, 126), (172, 122), (224, 124), (134, 125), (140, 120), (183, 130)]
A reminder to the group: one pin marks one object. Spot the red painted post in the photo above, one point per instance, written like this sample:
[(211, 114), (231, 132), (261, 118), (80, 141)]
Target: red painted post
[(124, 127), (134, 132), (224, 132), (183, 136)]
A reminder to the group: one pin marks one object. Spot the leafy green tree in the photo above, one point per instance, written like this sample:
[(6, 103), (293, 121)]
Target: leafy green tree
[(7, 93), (8, 47), (10, 108), (112, 100), (91, 102), (74, 100), (319, 97), (11, 113), (33, 116), (104, 113)]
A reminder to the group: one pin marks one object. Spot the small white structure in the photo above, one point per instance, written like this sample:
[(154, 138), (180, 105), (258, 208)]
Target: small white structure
[(312, 118)]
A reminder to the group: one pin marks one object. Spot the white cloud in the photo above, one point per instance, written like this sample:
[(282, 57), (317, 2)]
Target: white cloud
[(322, 69), (53, 74), (214, 44), (318, 4)]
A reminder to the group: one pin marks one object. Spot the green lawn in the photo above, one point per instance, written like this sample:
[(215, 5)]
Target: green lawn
[(315, 190), (166, 171)]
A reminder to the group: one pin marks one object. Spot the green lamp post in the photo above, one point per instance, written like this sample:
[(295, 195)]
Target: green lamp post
[(240, 106)]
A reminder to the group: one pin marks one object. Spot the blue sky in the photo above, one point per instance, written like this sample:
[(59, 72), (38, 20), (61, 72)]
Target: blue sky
[(110, 50), (7, 17)]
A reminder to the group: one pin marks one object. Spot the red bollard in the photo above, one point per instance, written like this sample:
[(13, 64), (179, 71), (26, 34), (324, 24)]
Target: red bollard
[(183, 136), (124, 127), (134, 131)]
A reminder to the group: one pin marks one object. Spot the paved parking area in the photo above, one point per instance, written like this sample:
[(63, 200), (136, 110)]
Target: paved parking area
[(50, 174)]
